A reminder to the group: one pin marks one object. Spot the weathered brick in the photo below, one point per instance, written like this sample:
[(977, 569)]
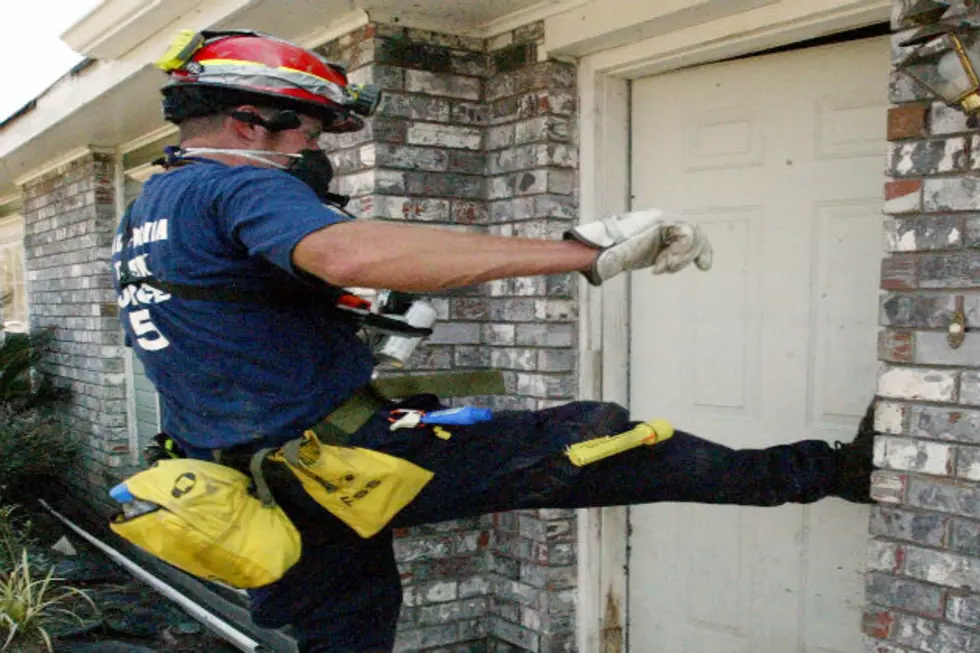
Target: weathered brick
[(968, 463), (431, 357), (405, 53), (970, 388), (456, 333), (917, 527), (452, 611), (888, 487), (514, 359), (469, 63), (902, 88), (467, 212), (875, 646), (949, 271), (469, 113), (971, 231), (933, 636), (889, 417), (916, 311), (942, 423), (927, 233), (889, 591), (922, 158), (388, 130), (556, 360), (899, 272), (445, 39), (903, 196), (529, 286), (445, 136), (944, 120), (877, 622), (917, 383), (445, 185), (405, 208), (415, 107), (965, 536), (895, 346), (465, 161), (907, 121), (510, 58), (543, 75), (944, 495), (961, 193), (904, 454), (409, 158), (499, 334), (510, 632), (455, 86), (964, 610), (513, 310), (529, 105), (942, 568), (932, 348)]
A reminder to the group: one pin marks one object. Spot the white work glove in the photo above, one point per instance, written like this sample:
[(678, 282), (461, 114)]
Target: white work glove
[(640, 240)]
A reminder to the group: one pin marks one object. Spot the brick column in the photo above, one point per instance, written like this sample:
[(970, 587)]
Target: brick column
[(421, 159), (69, 219), (476, 136), (532, 168), (923, 586)]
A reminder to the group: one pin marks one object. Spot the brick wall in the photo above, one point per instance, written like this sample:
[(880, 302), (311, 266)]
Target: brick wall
[(476, 135), (69, 218), (923, 586)]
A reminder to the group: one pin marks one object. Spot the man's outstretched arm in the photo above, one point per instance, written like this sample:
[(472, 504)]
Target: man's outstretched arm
[(375, 254)]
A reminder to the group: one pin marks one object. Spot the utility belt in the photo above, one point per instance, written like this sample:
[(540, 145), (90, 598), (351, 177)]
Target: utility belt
[(218, 520)]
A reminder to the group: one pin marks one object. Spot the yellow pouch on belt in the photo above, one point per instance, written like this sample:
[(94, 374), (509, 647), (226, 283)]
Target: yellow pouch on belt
[(363, 488), (209, 525)]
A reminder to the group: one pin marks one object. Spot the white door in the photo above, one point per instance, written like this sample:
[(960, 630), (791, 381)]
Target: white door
[(781, 158)]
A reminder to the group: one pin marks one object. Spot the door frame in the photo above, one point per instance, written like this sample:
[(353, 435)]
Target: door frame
[(604, 330)]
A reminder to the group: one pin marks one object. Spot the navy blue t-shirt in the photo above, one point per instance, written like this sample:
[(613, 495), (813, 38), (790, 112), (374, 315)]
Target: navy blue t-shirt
[(232, 373)]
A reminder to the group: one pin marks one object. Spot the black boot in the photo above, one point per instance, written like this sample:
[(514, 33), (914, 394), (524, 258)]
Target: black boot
[(854, 477)]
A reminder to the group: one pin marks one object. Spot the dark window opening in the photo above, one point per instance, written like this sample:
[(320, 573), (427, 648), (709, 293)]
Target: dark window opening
[(857, 34)]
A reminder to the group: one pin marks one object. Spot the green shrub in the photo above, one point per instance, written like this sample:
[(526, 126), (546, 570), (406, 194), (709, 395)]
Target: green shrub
[(20, 388), (15, 536), (31, 603), (35, 451), (35, 448)]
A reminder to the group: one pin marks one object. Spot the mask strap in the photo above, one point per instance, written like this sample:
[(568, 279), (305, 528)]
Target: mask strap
[(254, 155)]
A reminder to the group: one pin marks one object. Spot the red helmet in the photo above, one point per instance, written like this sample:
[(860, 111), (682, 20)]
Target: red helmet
[(212, 71)]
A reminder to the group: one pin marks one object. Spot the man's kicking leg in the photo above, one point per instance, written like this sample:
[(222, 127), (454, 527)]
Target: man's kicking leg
[(519, 461)]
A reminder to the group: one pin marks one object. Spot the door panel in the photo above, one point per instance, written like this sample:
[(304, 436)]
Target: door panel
[(781, 159)]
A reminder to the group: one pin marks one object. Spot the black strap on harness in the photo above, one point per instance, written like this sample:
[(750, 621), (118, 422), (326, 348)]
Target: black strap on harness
[(285, 294)]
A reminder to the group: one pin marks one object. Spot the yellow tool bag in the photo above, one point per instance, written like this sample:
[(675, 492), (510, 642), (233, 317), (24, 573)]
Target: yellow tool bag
[(363, 488), (209, 524)]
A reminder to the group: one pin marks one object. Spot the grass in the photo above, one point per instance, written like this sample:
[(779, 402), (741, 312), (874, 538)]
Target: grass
[(30, 600)]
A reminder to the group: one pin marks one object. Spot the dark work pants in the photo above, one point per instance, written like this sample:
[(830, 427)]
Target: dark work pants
[(344, 595)]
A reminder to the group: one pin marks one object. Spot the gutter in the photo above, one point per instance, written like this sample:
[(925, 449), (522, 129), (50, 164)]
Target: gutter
[(235, 637), (71, 72)]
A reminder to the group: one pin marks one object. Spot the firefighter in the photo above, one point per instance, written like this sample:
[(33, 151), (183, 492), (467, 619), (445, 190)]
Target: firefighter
[(229, 266)]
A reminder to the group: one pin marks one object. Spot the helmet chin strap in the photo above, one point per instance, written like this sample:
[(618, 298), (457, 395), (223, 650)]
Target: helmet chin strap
[(254, 155)]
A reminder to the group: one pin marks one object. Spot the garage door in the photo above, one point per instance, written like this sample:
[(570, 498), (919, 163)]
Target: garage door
[(781, 158)]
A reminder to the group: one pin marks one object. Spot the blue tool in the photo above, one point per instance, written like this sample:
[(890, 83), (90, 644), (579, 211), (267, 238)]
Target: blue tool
[(458, 416), (121, 494)]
